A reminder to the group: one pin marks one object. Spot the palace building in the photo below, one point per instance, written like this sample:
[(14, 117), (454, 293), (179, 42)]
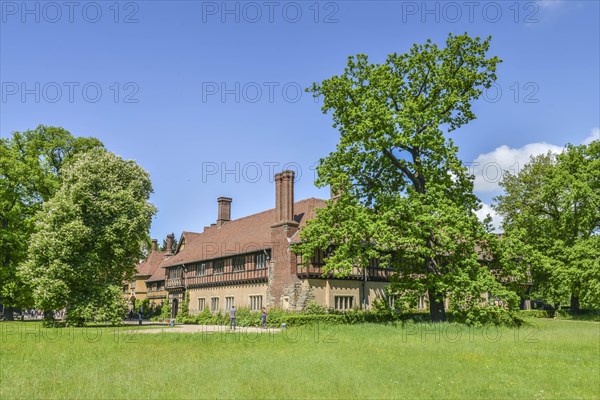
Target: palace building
[(248, 262)]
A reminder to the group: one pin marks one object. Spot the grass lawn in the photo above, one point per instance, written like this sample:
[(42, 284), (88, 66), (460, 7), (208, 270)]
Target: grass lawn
[(548, 359)]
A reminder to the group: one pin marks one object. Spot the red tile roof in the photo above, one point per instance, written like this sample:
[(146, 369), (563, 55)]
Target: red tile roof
[(242, 235), (151, 264), (159, 274)]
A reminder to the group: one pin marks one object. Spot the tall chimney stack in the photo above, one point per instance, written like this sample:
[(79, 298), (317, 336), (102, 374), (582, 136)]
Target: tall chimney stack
[(170, 240), (284, 196), (154, 245), (224, 214)]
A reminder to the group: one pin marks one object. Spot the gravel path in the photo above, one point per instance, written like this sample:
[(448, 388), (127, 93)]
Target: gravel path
[(204, 329)]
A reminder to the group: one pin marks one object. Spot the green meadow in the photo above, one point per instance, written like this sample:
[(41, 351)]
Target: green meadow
[(547, 359)]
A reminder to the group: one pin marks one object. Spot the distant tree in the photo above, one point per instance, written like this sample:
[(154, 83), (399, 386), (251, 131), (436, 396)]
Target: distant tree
[(405, 197), (551, 209), (88, 236), (31, 164)]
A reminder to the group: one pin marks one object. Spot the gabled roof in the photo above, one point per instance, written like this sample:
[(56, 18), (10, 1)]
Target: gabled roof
[(241, 235), (159, 274), (185, 239), (151, 264)]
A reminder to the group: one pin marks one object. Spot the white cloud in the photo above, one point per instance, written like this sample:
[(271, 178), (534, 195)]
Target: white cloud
[(595, 135), (488, 168), (487, 209)]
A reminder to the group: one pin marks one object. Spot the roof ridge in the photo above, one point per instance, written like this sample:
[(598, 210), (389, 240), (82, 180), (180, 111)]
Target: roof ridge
[(266, 211)]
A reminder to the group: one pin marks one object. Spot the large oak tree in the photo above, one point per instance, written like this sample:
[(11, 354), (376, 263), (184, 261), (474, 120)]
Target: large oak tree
[(405, 196)]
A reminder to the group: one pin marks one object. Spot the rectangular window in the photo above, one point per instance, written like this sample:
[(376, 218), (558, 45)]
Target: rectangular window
[(228, 302), (201, 304), (344, 302), (392, 298), (374, 263), (219, 267), (260, 261), (214, 304), (421, 303), (256, 303), (318, 259), (239, 263), (201, 271)]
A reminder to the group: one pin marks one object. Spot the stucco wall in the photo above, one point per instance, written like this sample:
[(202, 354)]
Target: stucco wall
[(325, 290), (240, 293)]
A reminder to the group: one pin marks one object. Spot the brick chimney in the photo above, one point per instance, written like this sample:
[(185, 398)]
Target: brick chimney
[(169, 244), (224, 214), (284, 196), (282, 276), (154, 245), (334, 194)]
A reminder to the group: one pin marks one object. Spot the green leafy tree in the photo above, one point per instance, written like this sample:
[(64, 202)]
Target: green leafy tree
[(31, 164), (551, 211), (405, 198), (88, 236)]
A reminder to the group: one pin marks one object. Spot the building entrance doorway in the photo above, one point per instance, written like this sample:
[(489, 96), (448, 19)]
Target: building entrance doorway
[(174, 308)]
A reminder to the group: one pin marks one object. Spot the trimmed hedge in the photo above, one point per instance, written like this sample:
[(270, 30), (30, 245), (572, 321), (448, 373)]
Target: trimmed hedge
[(276, 317), (536, 313), (584, 315)]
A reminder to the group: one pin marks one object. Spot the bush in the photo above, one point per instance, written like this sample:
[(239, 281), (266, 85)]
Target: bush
[(107, 305), (165, 310), (585, 315), (487, 315), (316, 309)]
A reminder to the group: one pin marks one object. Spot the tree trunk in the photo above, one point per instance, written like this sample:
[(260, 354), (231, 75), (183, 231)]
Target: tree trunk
[(8, 313), (437, 312), (574, 303)]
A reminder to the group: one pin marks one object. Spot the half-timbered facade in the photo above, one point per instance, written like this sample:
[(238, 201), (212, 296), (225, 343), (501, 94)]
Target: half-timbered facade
[(248, 262)]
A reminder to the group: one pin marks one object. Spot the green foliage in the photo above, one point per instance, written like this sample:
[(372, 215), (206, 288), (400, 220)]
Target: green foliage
[(184, 310), (31, 165), (88, 236), (165, 310), (105, 306), (536, 313), (205, 317), (276, 317), (148, 311), (405, 198), (314, 308), (552, 223), (487, 315)]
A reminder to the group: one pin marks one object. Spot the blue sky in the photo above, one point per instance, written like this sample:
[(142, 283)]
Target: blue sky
[(204, 95)]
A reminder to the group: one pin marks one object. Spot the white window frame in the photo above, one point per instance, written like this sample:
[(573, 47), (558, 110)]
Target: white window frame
[(260, 261), (214, 301), (256, 302), (343, 302), (229, 302)]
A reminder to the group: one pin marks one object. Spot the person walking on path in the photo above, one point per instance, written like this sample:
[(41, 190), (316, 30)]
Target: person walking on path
[(232, 314), (263, 318)]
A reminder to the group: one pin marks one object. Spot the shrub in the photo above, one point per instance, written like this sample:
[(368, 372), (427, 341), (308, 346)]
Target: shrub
[(536, 313), (314, 308), (165, 310), (106, 306), (487, 315)]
